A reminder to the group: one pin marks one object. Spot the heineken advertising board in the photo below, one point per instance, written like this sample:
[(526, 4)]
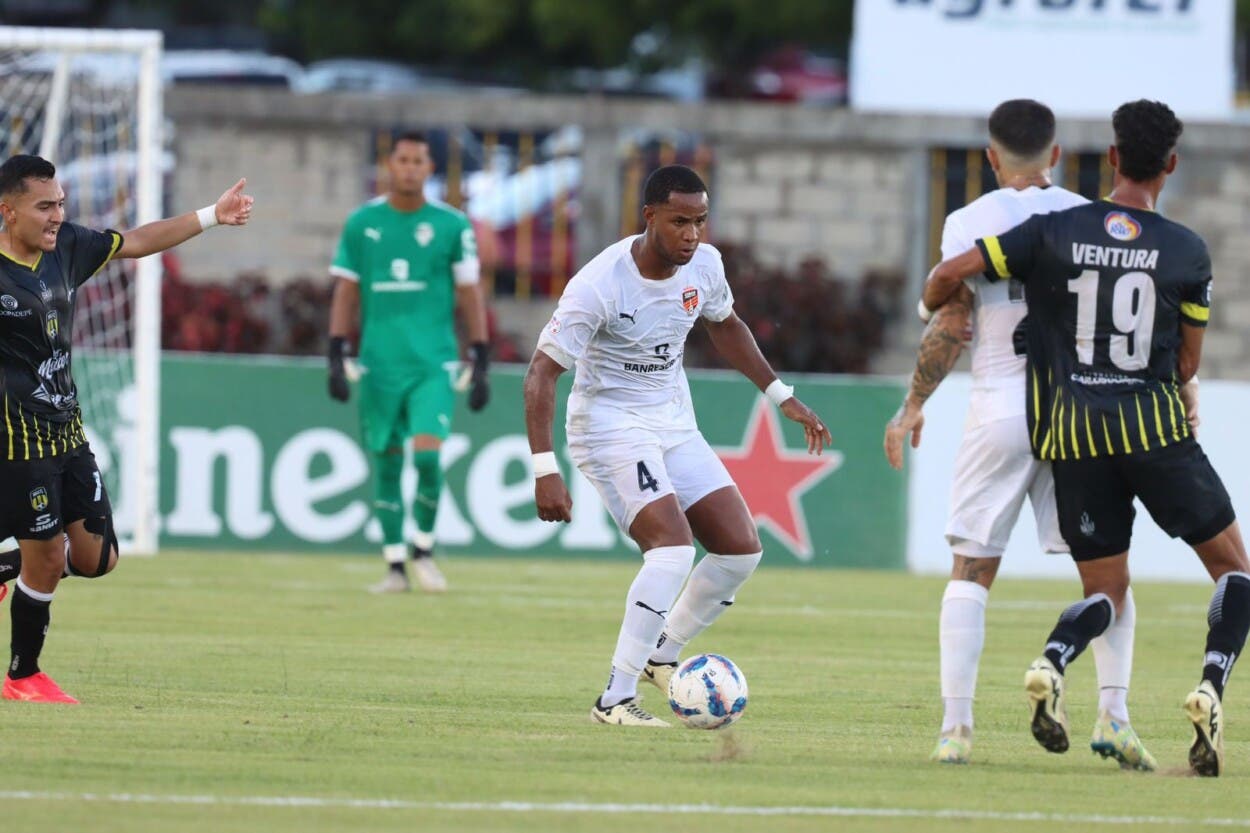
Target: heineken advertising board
[(255, 456)]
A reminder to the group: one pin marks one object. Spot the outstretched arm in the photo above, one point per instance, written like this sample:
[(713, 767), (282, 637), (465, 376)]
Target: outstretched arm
[(732, 338), (550, 493), (233, 208), (939, 350)]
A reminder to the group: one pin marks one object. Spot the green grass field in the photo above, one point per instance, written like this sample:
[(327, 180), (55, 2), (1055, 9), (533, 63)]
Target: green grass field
[(225, 693)]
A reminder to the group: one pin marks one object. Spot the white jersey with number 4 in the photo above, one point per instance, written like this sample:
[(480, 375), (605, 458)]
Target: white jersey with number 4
[(998, 383), (627, 335)]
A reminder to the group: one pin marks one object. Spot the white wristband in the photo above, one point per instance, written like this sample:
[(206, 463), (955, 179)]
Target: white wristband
[(207, 217), (778, 392), (925, 313), (545, 464)]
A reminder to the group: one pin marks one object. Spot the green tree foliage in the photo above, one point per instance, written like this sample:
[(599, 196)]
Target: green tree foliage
[(531, 34)]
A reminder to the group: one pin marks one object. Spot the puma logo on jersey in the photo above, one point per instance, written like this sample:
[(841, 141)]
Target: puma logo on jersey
[(373, 234), (629, 315)]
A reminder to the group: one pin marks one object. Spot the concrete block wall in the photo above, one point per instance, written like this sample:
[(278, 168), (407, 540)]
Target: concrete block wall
[(791, 182)]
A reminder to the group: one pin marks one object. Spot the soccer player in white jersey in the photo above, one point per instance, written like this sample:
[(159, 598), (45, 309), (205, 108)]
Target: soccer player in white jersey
[(623, 320), (995, 469)]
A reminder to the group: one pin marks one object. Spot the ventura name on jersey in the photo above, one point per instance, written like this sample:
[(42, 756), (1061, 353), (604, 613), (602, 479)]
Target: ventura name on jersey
[(1088, 254)]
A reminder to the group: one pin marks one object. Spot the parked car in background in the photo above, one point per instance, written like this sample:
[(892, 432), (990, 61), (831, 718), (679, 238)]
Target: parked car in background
[(792, 73), (229, 67), (362, 75), (178, 66)]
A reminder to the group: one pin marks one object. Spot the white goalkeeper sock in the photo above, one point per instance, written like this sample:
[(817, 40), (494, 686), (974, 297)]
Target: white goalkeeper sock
[(709, 593), (961, 636), (1113, 657), (649, 600)]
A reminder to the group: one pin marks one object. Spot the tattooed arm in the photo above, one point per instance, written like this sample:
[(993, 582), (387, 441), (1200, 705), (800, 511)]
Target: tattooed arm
[(939, 350)]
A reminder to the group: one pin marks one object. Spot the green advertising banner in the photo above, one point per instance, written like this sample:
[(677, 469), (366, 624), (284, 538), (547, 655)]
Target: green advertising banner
[(255, 456)]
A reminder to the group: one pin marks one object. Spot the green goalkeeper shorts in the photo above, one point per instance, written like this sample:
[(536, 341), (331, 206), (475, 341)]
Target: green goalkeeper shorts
[(390, 414)]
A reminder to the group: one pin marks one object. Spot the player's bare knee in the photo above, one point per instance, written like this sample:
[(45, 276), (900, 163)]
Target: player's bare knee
[(1224, 553), (93, 550), (42, 561), (975, 569), (661, 524)]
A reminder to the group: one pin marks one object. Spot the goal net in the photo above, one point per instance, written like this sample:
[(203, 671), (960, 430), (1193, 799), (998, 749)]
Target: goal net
[(89, 101)]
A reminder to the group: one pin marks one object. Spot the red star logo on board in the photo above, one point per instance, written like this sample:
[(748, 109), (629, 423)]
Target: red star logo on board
[(774, 478)]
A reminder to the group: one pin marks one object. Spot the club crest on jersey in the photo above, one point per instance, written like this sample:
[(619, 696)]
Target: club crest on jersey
[(424, 234), (39, 499), (53, 324), (690, 299), (1121, 226)]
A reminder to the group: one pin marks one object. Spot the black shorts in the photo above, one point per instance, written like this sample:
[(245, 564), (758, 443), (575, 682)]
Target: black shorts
[(39, 498), (1176, 484)]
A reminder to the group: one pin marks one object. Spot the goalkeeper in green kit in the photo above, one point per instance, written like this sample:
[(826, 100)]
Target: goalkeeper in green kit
[(402, 269)]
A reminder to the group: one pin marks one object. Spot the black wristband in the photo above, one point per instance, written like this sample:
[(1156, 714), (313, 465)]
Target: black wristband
[(340, 347), (479, 352)]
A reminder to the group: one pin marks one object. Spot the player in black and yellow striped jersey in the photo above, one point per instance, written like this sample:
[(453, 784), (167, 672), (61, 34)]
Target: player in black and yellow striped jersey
[(51, 492), (1118, 300), (1114, 287)]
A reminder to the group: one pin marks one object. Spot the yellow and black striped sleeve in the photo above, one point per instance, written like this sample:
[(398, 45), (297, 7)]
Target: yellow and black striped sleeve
[(1012, 254)]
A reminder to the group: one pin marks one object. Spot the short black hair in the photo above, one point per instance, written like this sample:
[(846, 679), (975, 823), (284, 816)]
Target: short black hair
[(1023, 127), (670, 178), (410, 136), (1146, 133), (18, 169)]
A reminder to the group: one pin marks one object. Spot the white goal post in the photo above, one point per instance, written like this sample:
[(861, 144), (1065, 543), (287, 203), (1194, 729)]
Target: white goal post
[(89, 101)]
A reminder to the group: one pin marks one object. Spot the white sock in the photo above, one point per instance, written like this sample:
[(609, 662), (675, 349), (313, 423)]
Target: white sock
[(709, 593), (961, 634), (1113, 657), (395, 553), (649, 600)]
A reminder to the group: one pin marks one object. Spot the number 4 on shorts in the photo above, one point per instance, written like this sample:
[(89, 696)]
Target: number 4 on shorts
[(645, 480)]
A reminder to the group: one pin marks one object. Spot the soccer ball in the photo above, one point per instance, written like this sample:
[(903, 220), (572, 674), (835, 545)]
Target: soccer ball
[(707, 692)]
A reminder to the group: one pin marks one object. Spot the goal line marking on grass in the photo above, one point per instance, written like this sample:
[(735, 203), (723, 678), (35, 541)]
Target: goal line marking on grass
[(615, 809)]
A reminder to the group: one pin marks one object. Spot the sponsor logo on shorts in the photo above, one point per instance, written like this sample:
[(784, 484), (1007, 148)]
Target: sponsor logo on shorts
[(690, 299), (1121, 226), (39, 499), (43, 523), (1087, 525)]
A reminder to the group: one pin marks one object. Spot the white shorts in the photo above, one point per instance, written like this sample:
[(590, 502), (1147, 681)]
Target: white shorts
[(634, 467), (994, 470)]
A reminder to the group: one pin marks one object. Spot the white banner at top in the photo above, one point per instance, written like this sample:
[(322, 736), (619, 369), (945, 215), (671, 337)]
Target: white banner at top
[(1081, 57)]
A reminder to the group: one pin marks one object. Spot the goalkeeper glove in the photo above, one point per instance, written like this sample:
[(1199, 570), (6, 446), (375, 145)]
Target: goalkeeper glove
[(479, 387), (339, 347)]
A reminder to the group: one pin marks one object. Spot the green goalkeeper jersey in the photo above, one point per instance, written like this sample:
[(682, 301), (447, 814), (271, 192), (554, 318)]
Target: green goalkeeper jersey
[(407, 264)]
